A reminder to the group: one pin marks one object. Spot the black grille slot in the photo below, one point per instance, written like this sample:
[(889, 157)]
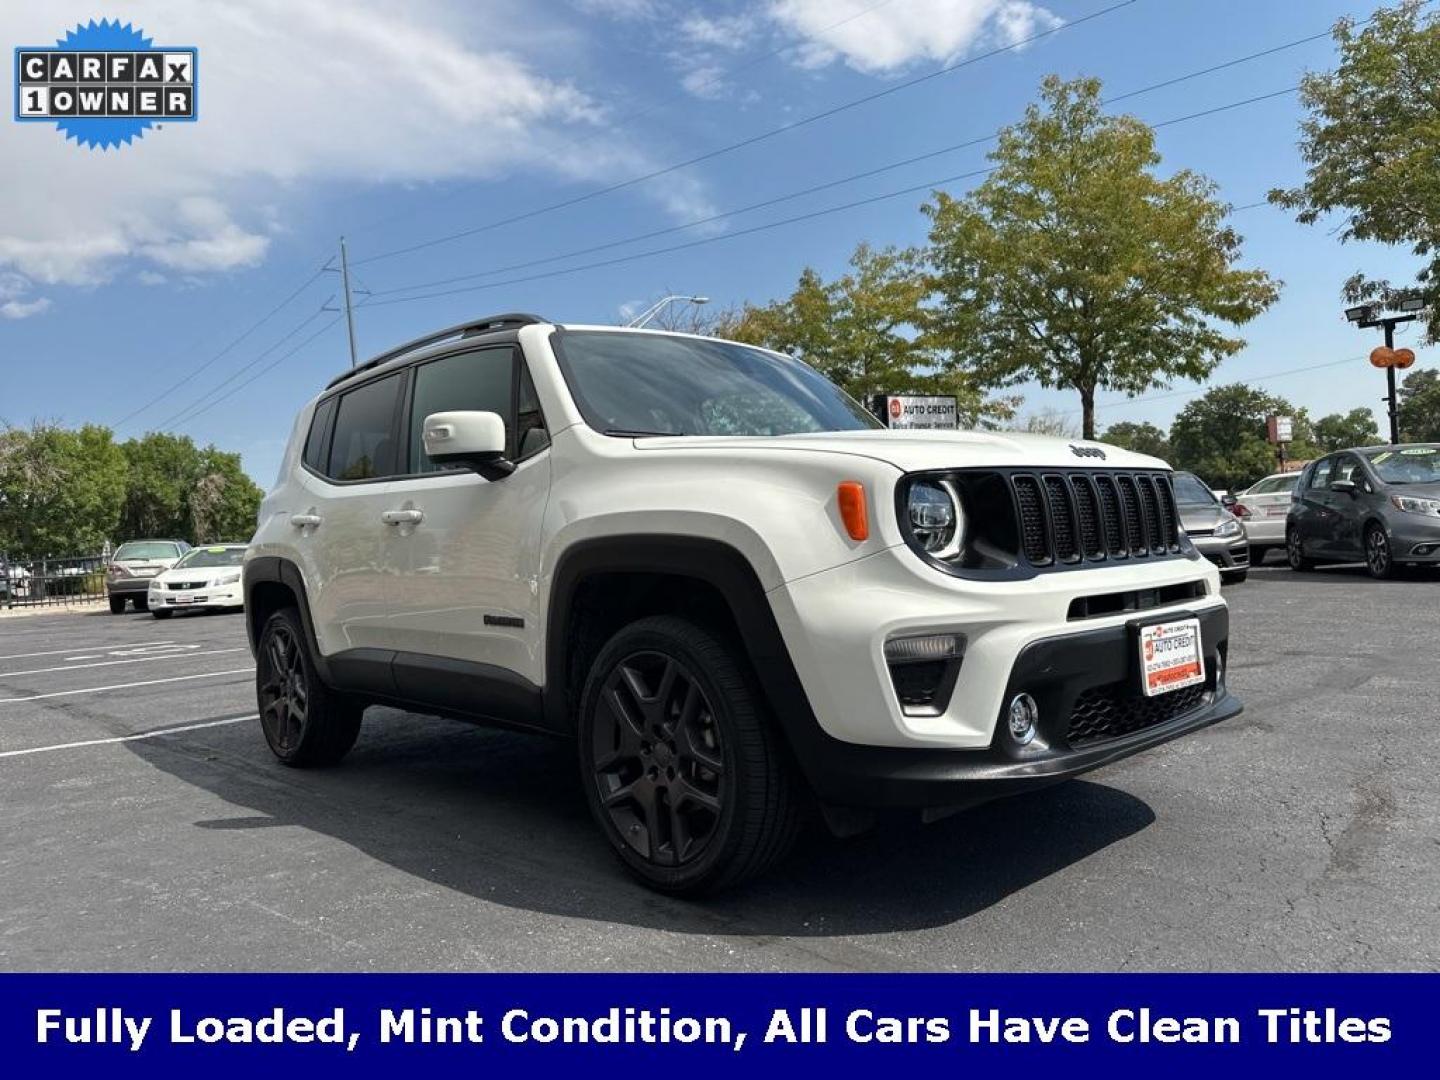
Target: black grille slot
[(1110, 516), (1062, 521), (1130, 515), (1033, 533), (1169, 514), (1087, 513), (1150, 508), (1115, 710)]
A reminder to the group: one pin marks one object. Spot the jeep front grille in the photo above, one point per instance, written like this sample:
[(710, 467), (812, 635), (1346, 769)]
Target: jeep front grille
[(1094, 516)]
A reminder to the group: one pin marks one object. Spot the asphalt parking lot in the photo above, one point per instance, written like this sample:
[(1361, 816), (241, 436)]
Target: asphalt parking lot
[(146, 827)]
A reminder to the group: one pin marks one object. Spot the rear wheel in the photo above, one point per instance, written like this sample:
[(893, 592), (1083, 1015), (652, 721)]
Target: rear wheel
[(1378, 558), (1295, 551), (304, 721), (117, 605), (682, 769)]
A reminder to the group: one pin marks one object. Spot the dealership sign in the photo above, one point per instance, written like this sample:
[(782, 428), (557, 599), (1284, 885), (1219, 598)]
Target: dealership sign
[(911, 411), (105, 84), (1278, 429)]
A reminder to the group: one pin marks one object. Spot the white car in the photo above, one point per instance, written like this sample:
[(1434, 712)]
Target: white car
[(725, 582), (205, 578), (1262, 507)]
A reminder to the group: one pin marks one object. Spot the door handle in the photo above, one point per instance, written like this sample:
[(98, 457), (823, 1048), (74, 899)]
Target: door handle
[(402, 517), (300, 521)]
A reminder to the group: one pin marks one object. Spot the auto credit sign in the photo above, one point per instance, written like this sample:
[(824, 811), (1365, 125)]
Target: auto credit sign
[(912, 411)]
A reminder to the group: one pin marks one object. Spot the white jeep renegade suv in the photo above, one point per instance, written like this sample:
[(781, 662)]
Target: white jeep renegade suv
[(714, 571)]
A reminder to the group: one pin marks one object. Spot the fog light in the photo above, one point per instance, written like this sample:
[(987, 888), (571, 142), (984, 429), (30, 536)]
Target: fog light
[(911, 650), (1023, 714)]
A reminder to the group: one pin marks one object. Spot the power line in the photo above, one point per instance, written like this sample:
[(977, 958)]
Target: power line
[(752, 140), (929, 185), (184, 415), (223, 352), (267, 368)]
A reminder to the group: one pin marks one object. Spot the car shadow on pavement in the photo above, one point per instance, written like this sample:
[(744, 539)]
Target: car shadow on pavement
[(500, 817)]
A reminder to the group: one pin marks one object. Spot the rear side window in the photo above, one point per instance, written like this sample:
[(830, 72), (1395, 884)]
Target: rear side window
[(479, 381), (363, 447), (317, 443), (1320, 478)]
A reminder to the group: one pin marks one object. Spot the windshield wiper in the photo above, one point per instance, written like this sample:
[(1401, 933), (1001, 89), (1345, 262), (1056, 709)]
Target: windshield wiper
[(629, 434)]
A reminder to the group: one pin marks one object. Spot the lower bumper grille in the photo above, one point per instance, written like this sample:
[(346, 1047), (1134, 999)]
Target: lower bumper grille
[(1117, 709)]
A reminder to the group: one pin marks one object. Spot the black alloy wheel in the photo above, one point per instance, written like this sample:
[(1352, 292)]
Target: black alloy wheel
[(657, 759), (1378, 559), (303, 720), (1295, 552)]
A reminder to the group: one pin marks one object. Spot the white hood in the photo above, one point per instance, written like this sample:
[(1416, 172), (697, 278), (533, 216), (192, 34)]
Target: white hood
[(916, 451)]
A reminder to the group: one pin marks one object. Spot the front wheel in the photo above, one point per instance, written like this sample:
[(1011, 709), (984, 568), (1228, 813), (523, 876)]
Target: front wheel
[(1234, 579), (1378, 559), (161, 614), (117, 605), (682, 767), (304, 721), (1295, 551)]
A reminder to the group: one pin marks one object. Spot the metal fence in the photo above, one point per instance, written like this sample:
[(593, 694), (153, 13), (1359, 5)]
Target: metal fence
[(76, 579)]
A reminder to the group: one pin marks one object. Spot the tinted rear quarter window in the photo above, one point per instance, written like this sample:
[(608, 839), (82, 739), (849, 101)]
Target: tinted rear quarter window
[(364, 446), (317, 443)]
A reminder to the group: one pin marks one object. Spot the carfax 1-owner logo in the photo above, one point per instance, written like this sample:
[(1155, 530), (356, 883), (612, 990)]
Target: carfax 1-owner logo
[(105, 84)]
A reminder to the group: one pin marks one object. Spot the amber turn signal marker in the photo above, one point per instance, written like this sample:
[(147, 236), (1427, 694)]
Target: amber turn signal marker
[(851, 496)]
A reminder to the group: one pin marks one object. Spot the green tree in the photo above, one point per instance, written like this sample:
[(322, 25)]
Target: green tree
[(1371, 141), (1338, 432), (1220, 436), (862, 332), (1420, 406), (179, 490), (1074, 264), (60, 490), (1142, 438)]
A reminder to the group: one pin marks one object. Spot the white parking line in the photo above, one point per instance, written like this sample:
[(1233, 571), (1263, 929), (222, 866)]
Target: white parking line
[(111, 663), (127, 738), (71, 649), (126, 686)]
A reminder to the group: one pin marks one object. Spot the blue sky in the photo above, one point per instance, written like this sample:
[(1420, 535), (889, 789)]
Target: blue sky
[(123, 272)]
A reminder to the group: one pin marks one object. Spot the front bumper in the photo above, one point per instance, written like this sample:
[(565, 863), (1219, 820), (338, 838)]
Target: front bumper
[(1414, 538), (1231, 554), (221, 596), (1066, 675), (127, 586)]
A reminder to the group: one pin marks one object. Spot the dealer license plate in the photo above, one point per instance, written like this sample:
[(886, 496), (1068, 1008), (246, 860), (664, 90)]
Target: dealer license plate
[(1170, 656), (184, 599)]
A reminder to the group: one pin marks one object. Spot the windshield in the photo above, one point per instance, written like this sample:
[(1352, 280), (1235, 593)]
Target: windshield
[(1407, 464), (213, 556), (1189, 491), (648, 384), (146, 549)]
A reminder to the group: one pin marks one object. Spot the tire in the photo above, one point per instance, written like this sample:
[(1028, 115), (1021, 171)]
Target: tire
[(1257, 554), (1379, 559), (1234, 579), (305, 723), (142, 603), (1295, 553), (161, 614), (117, 605), (669, 707)]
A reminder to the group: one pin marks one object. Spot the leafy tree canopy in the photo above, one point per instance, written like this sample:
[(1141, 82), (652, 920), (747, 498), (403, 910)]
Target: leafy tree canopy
[(1340, 431), (1420, 406), (1142, 438), (1372, 145), (1075, 264), (1220, 436)]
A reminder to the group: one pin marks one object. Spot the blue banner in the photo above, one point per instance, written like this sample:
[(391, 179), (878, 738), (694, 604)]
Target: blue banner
[(368, 1025)]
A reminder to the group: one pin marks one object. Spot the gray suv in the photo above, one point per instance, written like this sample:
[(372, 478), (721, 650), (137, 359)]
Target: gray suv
[(1378, 503)]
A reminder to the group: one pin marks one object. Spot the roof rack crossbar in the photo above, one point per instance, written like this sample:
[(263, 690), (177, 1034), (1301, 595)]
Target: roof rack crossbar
[(465, 329)]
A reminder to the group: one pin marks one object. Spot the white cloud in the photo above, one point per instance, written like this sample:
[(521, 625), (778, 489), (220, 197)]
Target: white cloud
[(620, 9), (720, 32), (904, 32), (18, 309), (298, 94)]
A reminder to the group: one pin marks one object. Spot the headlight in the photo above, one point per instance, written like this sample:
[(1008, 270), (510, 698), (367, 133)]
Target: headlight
[(935, 519), (1227, 528), (225, 579), (1411, 505)]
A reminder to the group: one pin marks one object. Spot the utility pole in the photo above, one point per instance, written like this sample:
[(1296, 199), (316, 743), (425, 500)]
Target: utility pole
[(349, 307), (1367, 316)]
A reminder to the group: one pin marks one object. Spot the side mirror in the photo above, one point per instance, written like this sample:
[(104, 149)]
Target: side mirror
[(1346, 486), (1228, 501), (471, 440)]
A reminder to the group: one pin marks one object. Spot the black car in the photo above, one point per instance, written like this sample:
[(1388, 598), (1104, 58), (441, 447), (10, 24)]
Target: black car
[(1378, 503)]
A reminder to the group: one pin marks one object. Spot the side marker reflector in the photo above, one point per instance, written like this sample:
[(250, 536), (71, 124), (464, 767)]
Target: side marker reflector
[(851, 496)]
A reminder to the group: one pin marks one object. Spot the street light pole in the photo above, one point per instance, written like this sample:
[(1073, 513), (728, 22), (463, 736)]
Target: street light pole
[(1366, 316), (1392, 402), (660, 305)]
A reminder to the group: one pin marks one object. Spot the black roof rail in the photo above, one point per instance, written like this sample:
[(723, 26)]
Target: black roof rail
[(466, 329)]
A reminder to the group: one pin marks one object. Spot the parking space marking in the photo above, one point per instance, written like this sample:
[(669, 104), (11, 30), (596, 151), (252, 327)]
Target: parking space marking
[(71, 649), (127, 738), (126, 686), (112, 663)]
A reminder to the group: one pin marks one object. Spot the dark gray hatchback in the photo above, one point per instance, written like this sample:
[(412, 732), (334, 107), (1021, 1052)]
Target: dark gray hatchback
[(1378, 503)]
